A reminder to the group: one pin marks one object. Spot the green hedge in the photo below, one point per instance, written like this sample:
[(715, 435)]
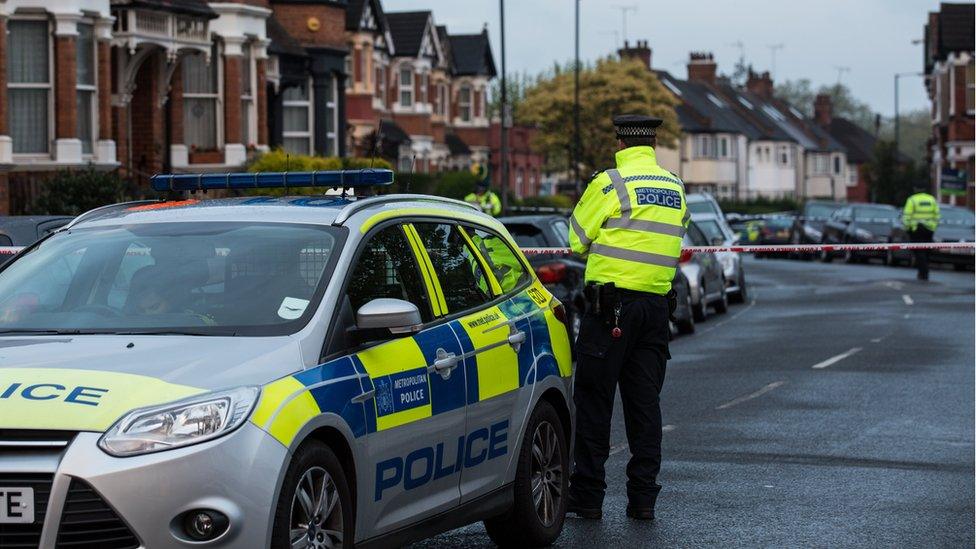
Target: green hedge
[(280, 161), (72, 192)]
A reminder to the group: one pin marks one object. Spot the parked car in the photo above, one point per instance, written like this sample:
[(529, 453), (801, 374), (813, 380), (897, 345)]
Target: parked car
[(859, 224), (24, 230), (957, 225), (561, 274), (775, 230), (684, 316), (720, 234), (706, 281), (746, 228), (808, 226)]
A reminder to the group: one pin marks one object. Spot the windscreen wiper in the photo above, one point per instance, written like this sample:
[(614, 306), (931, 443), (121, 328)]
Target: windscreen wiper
[(40, 332)]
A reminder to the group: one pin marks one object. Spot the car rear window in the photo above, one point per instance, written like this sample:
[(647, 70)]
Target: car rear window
[(527, 236)]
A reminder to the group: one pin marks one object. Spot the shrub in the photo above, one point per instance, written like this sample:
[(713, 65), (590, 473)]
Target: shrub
[(280, 161), (72, 192), (552, 201)]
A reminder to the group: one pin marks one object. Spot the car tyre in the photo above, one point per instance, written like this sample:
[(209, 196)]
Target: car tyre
[(825, 256), (742, 295), (687, 326), (722, 305), (700, 310), (315, 501), (541, 485)]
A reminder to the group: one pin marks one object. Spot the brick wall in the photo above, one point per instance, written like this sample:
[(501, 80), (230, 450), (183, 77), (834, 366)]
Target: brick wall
[(147, 123), (175, 103), (3, 83), (332, 21), (232, 93), (65, 81), (414, 124), (262, 101), (105, 90)]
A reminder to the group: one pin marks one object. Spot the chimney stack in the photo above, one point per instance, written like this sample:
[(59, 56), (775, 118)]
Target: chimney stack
[(760, 84), (702, 67), (641, 51), (823, 110)]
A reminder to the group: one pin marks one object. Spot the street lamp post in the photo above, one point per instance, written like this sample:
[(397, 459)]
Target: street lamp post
[(576, 110), (505, 114), (897, 118)]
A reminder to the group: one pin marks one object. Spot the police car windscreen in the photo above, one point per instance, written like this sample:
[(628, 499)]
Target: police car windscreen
[(195, 278)]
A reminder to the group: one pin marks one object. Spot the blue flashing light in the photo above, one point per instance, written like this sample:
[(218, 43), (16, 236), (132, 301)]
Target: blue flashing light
[(337, 179)]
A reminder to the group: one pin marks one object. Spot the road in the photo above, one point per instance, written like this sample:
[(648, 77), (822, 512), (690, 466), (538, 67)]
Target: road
[(835, 409)]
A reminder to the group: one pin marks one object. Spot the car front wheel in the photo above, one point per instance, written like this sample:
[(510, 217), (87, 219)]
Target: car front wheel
[(541, 483), (315, 506), (700, 310), (687, 325)]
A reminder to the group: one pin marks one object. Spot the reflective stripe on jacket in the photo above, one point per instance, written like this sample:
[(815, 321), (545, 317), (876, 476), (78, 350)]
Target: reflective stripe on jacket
[(921, 208), (630, 222)]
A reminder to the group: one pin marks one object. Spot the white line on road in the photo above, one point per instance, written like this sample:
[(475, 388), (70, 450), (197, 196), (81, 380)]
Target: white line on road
[(877, 340), (668, 428), (751, 396), (907, 299), (618, 448), (835, 359)]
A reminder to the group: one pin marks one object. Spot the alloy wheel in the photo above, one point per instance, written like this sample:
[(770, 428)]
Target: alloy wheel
[(547, 473), (316, 513)]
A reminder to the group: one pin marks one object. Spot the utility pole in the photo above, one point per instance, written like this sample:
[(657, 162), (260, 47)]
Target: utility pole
[(624, 10), (773, 48), (506, 114), (576, 110)]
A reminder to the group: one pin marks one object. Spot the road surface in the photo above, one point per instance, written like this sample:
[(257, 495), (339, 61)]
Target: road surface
[(835, 409)]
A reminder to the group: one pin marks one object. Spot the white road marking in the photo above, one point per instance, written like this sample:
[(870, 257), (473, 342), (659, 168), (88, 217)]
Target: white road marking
[(908, 315), (668, 428), (877, 340), (907, 299), (894, 284), (618, 448), (768, 486), (835, 359), (751, 396)]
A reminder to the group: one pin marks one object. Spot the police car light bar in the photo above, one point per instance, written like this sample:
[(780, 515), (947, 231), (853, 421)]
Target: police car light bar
[(271, 180)]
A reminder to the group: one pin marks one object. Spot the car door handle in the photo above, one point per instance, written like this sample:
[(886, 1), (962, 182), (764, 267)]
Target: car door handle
[(517, 339), (445, 362)]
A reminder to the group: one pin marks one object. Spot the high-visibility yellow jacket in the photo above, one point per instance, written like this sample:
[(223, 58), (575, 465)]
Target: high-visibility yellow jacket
[(921, 209), (629, 224), (487, 202)]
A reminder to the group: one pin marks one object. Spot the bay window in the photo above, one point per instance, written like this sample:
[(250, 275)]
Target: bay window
[(379, 91), (704, 146), (406, 86), (297, 119), (29, 85), (464, 103), (201, 99), (85, 86)]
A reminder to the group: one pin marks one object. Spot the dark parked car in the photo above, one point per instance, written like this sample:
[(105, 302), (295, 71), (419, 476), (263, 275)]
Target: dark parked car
[(561, 274), (24, 230), (957, 225), (808, 226), (859, 224), (774, 230)]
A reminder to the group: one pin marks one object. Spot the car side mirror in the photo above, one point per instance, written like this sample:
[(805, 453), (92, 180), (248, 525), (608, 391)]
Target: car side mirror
[(397, 316), (717, 241)]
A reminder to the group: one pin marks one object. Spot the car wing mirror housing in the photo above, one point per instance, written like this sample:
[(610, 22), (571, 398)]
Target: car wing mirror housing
[(390, 316)]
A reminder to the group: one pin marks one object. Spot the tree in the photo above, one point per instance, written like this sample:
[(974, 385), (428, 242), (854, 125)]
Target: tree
[(800, 94), (913, 134), (610, 87), (72, 192), (891, 181)]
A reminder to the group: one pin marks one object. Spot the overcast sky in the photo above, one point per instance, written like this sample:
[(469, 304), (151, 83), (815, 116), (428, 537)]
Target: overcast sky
[(871, 38)]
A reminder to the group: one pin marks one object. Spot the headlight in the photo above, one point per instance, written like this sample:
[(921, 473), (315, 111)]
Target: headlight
[(177, 424), (863, 235), (812, 234)]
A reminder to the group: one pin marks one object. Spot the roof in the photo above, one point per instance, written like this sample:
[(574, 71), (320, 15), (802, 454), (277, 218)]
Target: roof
[(703, 110), (393, 133), (281, 41), (471, 55), (407, 30), (456, 145), (858, 142), (750, 106), (198, 8), (356, 15), (956, 28)]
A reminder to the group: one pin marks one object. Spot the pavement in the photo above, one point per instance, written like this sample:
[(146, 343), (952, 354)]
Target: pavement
[(834, 409)]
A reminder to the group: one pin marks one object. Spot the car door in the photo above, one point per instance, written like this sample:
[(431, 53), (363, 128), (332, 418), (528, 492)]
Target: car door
[(709, 263), (491, 335), (415, 408)]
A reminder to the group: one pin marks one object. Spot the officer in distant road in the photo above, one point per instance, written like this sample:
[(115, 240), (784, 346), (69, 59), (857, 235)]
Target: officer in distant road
[(921, 219), (629, 224), (483, 197)]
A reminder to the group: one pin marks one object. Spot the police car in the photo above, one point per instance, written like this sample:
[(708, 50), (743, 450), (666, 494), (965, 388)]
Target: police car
[(280, 372)]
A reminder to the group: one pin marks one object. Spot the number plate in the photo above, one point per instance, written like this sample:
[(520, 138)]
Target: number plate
[(16, 505)]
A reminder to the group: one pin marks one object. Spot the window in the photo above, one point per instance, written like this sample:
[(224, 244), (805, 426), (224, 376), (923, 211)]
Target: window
[(671, 86), (461, 277), (387, 268), (363, 64), (201, 97), (347, 67), (331, 119), (725, 146), (820, 164), (406, 87), (422, 98), (29, 83), (464, 103), (442, 105), (503, 262), (297, 119), (85, 86), (561, 230), (704, 146), (837, 165), (379, 83), (716, 101), (970, 87), (247, 96), (851, 175), (745, 102), (785, 158)]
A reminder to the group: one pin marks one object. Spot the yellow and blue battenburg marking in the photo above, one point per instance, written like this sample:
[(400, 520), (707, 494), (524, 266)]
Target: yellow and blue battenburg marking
[(389, 385)]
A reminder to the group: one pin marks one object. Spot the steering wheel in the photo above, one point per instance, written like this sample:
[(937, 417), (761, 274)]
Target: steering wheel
[(101, 310)]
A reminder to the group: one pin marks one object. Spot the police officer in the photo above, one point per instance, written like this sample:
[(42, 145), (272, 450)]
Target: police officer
[(485, 199), (629, 224), (921, 218)]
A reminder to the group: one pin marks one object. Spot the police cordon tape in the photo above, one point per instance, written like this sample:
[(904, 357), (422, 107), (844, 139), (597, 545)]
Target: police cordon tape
[(781, 248)]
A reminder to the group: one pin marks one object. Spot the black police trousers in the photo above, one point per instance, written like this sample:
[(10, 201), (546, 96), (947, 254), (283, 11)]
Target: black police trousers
[(636, 361), (921, 234)]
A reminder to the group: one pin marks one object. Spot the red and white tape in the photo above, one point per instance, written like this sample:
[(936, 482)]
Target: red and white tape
[(781, 248)]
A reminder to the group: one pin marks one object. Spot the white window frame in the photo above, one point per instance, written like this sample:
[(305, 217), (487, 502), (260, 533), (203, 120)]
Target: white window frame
[(249, 102), (466, 104), (405, 88), (347, 66), (423, 98), (820, 164), (783, 156), (363, 66), (93, 89), (309, 105), (704, 146), (851, 175), (970, 72), (49, 86), (379, 82), (332, 134), (216, 56)]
